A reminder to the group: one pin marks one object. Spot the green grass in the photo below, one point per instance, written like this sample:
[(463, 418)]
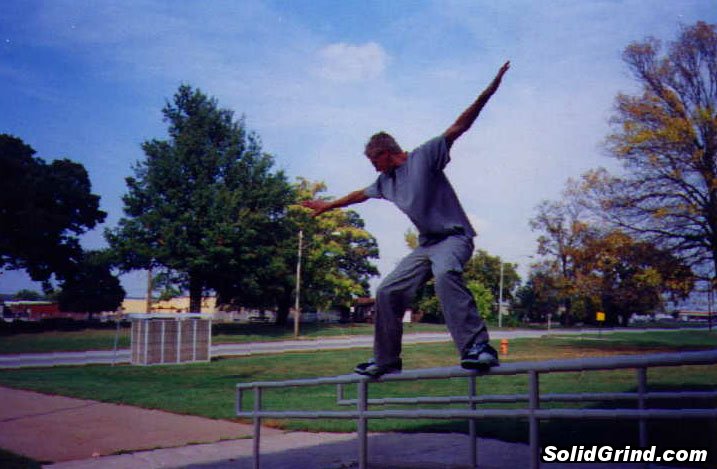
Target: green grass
[(103, 339), (63, 341), (207, 389)]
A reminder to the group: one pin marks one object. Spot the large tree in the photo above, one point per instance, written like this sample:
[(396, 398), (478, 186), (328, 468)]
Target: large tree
[(92, 288), (337, 254), (622, 276), (666, 140), (205, 203), (43, 209), (485, 269), (563, 230), (587, 267)]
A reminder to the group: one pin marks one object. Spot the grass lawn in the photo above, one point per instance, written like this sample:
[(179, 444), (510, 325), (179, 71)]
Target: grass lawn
[(208, 389), (103, 339)]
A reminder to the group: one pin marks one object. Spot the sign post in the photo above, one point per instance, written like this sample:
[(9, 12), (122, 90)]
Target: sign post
[(600, 317)]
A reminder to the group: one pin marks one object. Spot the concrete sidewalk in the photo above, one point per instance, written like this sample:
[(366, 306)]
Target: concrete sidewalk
[(298, 450), (78, 433), (67, 433)]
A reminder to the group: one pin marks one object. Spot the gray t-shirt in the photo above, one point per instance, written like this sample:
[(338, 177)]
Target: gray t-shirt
[(421, 190)]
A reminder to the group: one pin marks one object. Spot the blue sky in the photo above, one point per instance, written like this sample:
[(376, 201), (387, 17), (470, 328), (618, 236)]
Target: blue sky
[(87, 80)]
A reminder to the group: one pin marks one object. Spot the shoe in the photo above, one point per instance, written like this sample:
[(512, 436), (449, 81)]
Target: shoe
[(481, 356), (370, 368)]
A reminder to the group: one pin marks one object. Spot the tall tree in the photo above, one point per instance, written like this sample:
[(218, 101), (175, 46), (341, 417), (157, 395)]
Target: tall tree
[(43, 209), (205, 203), (666, 140), (337, 253), (92, 288), (484, 268), (563, 231)]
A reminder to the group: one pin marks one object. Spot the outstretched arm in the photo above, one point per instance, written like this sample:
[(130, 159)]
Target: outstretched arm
[(469, 116), (321, 206)]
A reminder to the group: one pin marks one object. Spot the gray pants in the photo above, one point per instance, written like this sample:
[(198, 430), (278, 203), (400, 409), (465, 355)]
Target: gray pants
[(443, 260)]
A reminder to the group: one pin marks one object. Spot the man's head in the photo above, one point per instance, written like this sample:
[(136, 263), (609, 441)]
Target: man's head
[(383, 152)]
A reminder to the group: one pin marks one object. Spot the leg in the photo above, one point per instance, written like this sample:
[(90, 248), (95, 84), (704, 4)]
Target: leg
[(459, 309), (392, 298)]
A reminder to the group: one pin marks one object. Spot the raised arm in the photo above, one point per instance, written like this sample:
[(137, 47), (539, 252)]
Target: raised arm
[(321, 206), (469, 116)]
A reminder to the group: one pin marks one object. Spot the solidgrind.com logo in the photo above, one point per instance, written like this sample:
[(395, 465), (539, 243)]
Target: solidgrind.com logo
[(626, 454)]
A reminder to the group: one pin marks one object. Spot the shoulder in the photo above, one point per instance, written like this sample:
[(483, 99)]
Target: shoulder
[(434, 152), (375, 190), (435, 144)]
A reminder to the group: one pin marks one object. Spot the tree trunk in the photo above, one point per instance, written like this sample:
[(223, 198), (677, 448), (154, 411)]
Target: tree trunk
[(283, 307), (195, 293)]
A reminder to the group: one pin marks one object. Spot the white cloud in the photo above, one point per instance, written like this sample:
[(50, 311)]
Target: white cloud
[(343, 62)]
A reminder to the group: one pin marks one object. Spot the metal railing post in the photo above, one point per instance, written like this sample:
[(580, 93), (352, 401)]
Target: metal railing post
[(472, 427), (534, 422), (641, 390), (257, 426), (363, 423), (239, 401)]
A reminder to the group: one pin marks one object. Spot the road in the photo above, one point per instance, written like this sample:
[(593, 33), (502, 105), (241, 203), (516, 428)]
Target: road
[(95, 357)]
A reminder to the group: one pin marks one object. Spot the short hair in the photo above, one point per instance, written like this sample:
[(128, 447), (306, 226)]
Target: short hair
[(382, 141)]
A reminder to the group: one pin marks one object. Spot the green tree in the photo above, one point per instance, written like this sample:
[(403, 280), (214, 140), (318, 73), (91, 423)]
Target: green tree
[(205, 204), (484, 268), (28, 295), (43, 209), (666, 140), (92, 288), (483, 297), (337, 253), (622, 276)]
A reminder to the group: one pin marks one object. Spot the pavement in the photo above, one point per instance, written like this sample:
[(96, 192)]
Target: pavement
[(68, 433)]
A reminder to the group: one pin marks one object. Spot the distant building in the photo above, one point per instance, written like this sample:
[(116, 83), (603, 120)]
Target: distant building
[(25, 310), (179, 304)]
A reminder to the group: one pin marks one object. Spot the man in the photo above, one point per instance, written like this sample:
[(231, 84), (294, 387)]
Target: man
[(416, 184)]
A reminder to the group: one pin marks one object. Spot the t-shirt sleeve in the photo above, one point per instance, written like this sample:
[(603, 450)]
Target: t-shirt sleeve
[(374, 190), (435, 151)]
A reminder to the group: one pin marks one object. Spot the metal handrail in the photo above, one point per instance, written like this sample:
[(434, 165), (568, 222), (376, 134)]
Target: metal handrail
[(533, 412)]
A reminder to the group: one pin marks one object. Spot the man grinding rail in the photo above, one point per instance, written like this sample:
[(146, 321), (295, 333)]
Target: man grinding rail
[(416, 184)]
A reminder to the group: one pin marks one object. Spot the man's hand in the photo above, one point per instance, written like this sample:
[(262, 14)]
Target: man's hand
[(504, 69), (318, 206), (321, 206), (499, 76)]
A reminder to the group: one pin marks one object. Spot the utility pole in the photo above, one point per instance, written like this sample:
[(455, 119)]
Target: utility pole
[(500, 297), (297, 311), (149, 289)]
